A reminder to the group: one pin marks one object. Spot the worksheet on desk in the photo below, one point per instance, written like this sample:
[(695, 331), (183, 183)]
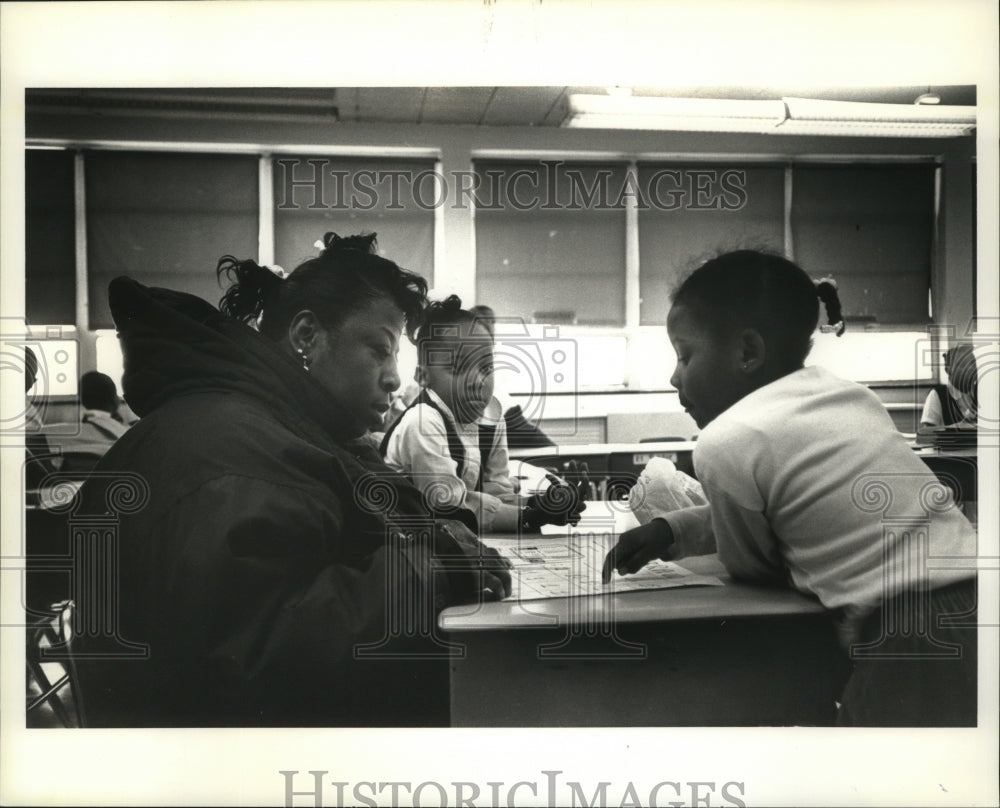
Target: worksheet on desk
[(565, 566)]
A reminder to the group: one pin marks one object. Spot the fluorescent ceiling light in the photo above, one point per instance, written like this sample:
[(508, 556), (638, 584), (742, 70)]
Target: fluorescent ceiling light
[(684, 107), (808, 109), (808, 116), (789, 116), (678, 114), (872, 129)]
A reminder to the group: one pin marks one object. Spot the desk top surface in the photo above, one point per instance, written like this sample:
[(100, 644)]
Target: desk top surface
[(933, 451), (730, 601), (587, 449), (590, 449)]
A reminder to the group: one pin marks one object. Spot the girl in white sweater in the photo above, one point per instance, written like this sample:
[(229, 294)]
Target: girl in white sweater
[(810, 484)]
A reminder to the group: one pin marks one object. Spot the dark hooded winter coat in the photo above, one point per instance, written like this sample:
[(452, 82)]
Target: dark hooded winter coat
[(278, 573)]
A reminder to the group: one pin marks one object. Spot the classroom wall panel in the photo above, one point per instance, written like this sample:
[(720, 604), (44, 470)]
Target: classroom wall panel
[(165, 219), (872, 228), (550, 241), (50, 238), (575, 431), (955, 281), (316, 194), (697, 211), (633, 427)]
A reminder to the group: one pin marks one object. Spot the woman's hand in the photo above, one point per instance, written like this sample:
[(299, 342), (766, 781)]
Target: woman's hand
[(474, 570), (637, 547)]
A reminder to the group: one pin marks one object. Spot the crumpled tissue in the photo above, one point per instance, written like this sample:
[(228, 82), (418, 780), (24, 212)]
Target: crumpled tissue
[(661, 488)]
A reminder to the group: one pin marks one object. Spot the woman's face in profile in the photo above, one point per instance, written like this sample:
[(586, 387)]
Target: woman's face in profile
[(356, 362)]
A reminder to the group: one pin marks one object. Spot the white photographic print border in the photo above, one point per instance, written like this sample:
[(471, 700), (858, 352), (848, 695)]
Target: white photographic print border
[(496, 42)]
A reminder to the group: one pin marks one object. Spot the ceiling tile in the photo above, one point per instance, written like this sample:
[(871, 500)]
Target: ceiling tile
[(519, 106), (455, 104), (381, 104)]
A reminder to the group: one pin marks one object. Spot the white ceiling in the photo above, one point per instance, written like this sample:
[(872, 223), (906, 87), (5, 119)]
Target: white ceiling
[(477, 106)]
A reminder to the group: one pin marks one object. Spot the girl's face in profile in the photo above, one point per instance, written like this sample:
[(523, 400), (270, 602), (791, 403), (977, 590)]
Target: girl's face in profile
[(707, 376), (466, 384), (356, 362)]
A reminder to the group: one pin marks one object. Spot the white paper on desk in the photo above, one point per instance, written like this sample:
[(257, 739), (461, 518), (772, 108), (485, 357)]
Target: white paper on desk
[(528, 479), (570, 565), (600, 515)]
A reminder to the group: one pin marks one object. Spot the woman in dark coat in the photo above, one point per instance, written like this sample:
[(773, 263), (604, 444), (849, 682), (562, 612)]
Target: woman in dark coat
[(279, 573)]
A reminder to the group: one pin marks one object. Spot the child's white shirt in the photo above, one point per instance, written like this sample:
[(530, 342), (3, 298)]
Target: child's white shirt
[(496, 471), (933, 412), (808, 480), (418, 448)]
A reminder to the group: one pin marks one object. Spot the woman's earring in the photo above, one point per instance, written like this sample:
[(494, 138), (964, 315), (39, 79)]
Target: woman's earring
[(746, 366), (304, 358)]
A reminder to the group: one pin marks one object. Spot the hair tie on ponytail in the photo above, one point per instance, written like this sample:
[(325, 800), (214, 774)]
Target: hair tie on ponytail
[(826, 290), (331, 243), (253, 286), (447, 320)]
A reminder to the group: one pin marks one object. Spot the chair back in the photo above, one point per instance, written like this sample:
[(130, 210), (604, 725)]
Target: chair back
[(51, 670), (79, 462)]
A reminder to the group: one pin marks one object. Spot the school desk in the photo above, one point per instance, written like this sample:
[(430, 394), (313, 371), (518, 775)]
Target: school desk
[(957, 468), (732, 655), (604, 450), (613, 467)]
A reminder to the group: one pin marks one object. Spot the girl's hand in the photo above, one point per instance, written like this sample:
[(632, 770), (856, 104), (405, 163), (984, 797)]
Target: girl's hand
[(637, 547)]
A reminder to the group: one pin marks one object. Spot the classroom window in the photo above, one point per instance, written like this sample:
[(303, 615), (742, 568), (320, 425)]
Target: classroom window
[(50, 238), (550, 241), (689, 213), (602, 360), (58, 358), (395, 199), (872, 228), (165, 219), (109, 358)]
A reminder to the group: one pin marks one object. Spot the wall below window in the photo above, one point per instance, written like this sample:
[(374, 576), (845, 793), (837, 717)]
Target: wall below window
[(620, 417), (631, 418)]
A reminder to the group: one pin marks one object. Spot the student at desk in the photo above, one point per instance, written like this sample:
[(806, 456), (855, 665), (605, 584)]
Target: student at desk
[(784, 456), (101, 419), (436, 441), (38, 454), (955, 403)]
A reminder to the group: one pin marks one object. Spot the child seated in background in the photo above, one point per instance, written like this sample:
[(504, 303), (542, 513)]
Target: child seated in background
[(38, 459), (953, 404), (799, 468), (437, 440), (101, 418)]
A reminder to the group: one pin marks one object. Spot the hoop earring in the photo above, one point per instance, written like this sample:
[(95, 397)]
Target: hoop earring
[(304, 358)]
